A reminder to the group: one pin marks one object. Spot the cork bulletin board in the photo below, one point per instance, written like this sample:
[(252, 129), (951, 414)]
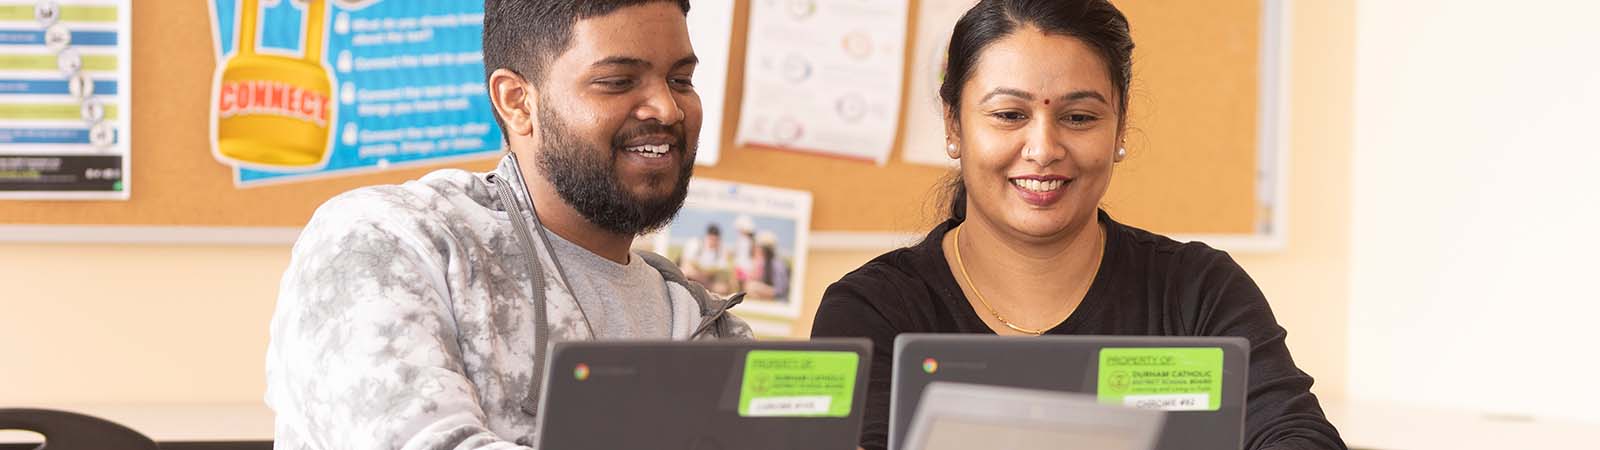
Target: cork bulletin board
[(1202, 143)]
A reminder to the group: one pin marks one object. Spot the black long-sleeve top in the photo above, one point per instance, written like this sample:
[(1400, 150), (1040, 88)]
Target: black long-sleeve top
[(1147, 285)]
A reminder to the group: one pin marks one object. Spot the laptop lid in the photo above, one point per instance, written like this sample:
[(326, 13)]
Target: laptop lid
[(1200, 381), (673, 395)]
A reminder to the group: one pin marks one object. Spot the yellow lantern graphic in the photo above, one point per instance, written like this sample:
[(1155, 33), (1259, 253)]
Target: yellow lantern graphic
[(274, 111)]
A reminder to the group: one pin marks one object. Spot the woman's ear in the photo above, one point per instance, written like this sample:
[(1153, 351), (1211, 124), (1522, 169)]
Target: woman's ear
[(1121, 151), (514, 100), (952, 133)]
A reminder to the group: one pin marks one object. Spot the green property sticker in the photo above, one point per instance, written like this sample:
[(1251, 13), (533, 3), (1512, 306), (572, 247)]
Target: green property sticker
[(787, 383), (1168, 379)]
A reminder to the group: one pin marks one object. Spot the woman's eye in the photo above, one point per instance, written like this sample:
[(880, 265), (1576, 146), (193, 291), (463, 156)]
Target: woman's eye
[(1080, 119)]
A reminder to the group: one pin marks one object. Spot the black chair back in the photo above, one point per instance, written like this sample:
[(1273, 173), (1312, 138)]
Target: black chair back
[(64, 430)]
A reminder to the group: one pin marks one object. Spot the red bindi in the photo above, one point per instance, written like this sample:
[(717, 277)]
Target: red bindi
[(1047, 102)]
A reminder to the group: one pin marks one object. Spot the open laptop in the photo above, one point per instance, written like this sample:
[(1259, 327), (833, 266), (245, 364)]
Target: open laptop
[(961, 416), (703, 395), (1199, 381)]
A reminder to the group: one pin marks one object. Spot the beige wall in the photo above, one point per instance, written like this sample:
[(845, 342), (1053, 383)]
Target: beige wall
[(114, 324), (187, 324), (1308, 284), (1473, 261)]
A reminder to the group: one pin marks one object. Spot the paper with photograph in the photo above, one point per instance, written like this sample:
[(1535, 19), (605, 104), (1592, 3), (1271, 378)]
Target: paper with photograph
[(733, 237)]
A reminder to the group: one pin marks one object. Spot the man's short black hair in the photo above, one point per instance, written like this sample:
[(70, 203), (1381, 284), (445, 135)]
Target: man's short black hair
[(526, 35), (712, 230)]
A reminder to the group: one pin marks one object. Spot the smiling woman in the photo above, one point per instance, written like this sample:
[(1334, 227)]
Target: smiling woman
[(1035, 113)]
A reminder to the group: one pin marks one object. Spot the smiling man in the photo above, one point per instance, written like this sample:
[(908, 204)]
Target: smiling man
[(417, 316)]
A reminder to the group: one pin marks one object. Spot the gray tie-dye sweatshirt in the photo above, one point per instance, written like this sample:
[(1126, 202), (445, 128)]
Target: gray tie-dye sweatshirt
[(406, 319)]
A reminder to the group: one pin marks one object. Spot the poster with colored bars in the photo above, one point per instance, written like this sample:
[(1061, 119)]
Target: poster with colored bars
[(315, 88), (64, 96)]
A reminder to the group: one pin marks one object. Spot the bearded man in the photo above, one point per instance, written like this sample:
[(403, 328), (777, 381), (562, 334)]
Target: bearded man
[(418, 315)]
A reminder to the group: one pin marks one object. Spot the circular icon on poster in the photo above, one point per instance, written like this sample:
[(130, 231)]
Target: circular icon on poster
[(857, 44), (347, 93), (346, 61), (851, 108), (69, 61), (92, 110), (341, 24), (788, 130), (796, 68), (57, 38), (46, 12), (102, 135), (81, 86), (801, 9), (351, 134)]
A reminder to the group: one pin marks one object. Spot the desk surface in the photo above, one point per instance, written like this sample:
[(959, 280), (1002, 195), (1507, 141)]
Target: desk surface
[(1365, 425)]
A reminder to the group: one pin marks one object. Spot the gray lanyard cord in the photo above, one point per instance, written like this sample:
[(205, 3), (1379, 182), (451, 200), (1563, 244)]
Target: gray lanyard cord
[(541, 329)]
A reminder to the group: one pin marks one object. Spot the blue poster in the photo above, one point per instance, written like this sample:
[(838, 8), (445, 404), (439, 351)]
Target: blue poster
[(315, 88)]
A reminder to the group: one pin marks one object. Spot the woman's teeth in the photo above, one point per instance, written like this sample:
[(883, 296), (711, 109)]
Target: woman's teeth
[(650, 151), (1038, 185)]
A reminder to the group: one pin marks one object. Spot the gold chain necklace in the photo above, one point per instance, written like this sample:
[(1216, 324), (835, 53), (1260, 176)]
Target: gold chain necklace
[(974, 286)]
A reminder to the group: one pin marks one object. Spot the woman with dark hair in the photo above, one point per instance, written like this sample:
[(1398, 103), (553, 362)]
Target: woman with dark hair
[(1035, 99)]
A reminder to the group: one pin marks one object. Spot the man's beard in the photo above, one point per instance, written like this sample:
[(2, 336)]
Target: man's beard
[(584, 176)]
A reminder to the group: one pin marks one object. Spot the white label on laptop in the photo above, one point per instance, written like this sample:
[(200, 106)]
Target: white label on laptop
[(789, 406), (1169, 402)]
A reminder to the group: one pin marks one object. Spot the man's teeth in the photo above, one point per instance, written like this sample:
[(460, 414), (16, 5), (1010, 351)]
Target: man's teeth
[(650, 151), (1038, 185)]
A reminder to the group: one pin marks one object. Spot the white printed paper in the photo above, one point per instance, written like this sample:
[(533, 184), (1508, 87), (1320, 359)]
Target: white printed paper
[(925, 143), (824, 76), (711, 33)]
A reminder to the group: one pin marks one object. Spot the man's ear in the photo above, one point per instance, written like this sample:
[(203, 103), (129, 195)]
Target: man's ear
[(514, 100)]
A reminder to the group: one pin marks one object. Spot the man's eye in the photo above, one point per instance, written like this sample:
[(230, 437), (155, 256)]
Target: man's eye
[(616, 83)]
